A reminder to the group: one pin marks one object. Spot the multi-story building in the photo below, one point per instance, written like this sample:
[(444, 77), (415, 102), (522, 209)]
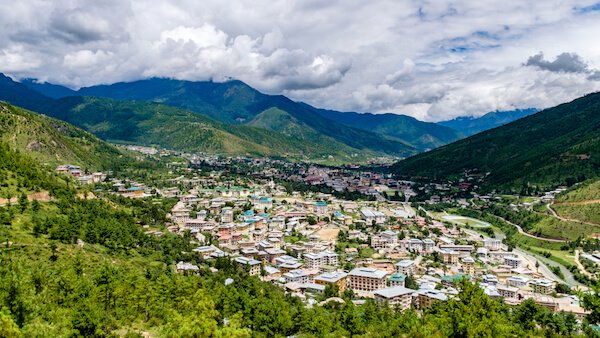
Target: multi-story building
[(517, 281), (226, 215), (542, 286), (384, 240), (507, 291), (298, 276), (320, 208), (512, 261), (492, 244), (406, 267), (449, 256), (468, 265), (334, 278), (398, 297), (428, 245), (396, 279), (426, 297), (366, 279), (371, 216), (253, 264), (317, 260)]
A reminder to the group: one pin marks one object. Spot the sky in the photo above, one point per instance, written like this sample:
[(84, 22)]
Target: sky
[(433, 60)]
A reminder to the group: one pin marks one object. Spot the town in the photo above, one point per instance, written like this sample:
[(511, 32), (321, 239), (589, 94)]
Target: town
[(321, 233)]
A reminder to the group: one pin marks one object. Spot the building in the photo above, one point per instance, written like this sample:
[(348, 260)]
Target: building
[(406, 267), (384, 240), (542, 286), (468, 265), (226, 215), (492, 244), (396, 279), (450, 256), (426, 297), (320, 208), (428, 245), (507, 291), (335, 278), (371, 216), (517, 281), (366, 279), (317, 260), (396, 296), (297, 276), (513, 261), (253, 264)]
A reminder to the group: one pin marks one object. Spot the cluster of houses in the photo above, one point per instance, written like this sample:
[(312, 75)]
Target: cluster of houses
[(83, 178)]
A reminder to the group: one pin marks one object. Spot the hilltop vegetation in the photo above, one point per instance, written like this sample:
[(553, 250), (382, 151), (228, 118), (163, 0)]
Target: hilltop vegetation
[(472, 125), (557, 146), (54, 142)]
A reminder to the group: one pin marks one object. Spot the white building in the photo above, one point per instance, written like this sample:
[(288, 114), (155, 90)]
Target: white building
[(371, 216), (406, 267), (317, 260), (396, 296), (366, 279), (492, 244), (513, 261)]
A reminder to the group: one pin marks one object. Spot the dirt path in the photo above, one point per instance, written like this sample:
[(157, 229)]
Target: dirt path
[(579, 202), (42, 196), (524, 233), (556, 215), (580, 266)]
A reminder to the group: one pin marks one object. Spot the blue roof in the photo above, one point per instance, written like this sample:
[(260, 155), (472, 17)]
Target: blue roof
[(321, 204), (249, 213), (135, 189)]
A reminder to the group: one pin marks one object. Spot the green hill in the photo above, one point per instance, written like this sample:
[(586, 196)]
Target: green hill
[(54, 142), (472, 125), (560, 145), (174, 128), (234, 102)]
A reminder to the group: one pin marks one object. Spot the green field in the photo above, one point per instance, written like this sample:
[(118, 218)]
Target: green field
[(468, 221)]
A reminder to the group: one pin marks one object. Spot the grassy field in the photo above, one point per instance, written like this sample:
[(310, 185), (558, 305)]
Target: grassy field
[(462, 220), (555, 228), (584, 192)]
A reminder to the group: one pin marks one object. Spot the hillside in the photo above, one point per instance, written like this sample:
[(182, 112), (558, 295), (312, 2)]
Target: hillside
[(321, 140), (54, 142), (174, 128), (472, 125), (421, 135), (560, 145), (234, 102)]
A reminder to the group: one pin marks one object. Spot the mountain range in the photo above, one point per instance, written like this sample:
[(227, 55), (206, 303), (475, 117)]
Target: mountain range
[(559, 145), (228, 118), (472, 125)]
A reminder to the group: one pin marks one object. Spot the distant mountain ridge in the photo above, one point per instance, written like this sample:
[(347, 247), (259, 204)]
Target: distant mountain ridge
[(468, 125), (234, 102), (559, 145), (422, 135)]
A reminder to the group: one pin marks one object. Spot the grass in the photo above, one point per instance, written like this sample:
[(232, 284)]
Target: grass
[(582, 212)]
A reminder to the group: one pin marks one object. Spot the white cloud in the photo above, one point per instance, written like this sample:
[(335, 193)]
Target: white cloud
[(429, 59)]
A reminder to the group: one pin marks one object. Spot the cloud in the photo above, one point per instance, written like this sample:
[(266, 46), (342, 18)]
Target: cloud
[(564, 62), (430, 59)]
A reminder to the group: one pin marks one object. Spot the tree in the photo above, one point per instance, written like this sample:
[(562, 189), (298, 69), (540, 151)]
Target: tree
[(591, 302), (23, 202), (331, 290), (8, 328)]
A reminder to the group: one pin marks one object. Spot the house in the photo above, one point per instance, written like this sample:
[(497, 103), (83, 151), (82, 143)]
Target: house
[(384, 240), (185, 268), (226, 215), (398, 297), (426, 297), (468, 265), (517, 281), (320, 208), (507, 291), (366, 279), (449, 256)]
